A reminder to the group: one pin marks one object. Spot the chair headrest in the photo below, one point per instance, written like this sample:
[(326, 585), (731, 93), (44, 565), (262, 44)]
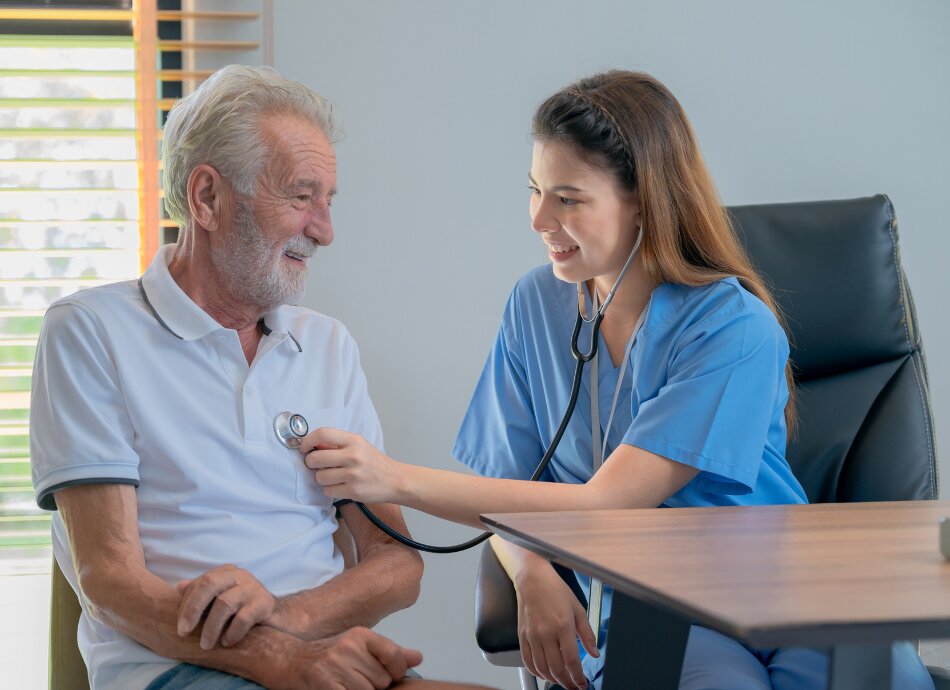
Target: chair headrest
[(834, 269)]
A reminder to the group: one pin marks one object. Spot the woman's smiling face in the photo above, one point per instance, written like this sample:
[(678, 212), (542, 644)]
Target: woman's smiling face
[(588, 224)]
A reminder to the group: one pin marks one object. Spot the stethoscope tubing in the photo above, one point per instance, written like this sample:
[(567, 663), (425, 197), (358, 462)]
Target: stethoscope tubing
[(582, 358)]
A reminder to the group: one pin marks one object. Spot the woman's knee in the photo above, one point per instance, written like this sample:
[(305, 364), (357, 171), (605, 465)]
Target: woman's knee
[(716, 662), (798, 667)]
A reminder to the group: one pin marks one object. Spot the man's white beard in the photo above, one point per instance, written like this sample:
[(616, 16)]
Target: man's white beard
[(253, 271)]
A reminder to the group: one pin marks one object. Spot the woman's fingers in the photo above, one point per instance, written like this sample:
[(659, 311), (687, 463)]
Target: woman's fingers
[(549, 654), (554, 652), (332, 477), (327, 437), (584, 632), (327, 458), (527, 655), (573, 673)]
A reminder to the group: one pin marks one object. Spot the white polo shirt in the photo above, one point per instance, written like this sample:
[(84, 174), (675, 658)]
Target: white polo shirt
[(134, 383)]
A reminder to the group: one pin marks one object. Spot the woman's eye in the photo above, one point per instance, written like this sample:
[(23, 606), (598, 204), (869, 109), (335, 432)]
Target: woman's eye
[(565, 201), (534, 190)]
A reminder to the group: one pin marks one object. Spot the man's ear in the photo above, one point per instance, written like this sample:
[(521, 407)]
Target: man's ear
[(207, 196)]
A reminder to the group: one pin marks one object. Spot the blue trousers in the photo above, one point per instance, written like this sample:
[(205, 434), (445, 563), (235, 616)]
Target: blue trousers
[(716, 662), (190, 677)]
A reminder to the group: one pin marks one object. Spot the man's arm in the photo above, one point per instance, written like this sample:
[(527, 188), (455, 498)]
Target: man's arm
[(118, 590), (385, 579)]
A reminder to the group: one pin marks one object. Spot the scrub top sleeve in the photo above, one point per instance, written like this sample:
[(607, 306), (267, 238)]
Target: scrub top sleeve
[(80, 430), (718, 402), (499, 434)]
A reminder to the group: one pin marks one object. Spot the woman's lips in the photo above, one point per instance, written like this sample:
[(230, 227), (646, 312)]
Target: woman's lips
[(561, 253)]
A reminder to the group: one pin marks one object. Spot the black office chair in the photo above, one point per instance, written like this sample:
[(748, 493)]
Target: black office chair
[(865, 430)]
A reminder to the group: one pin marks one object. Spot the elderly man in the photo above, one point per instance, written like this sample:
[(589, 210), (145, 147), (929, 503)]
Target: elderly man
[(202, 549)]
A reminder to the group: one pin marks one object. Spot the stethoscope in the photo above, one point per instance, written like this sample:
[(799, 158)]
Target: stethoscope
[(291, 428)]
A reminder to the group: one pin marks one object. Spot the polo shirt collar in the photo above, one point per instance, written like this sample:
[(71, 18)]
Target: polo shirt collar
[(275, 322), (179, 315)]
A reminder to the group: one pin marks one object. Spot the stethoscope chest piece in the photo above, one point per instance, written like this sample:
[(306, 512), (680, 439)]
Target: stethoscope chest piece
[(290, 429)]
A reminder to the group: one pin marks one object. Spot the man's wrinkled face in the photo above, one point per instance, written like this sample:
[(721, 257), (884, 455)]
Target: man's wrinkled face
[(264, 255)]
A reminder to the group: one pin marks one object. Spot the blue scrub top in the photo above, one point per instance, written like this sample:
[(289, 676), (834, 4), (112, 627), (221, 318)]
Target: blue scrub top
[(704, 386)]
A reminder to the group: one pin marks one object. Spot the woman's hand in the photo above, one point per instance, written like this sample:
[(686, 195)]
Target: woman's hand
[(550, 621), (348, 466)]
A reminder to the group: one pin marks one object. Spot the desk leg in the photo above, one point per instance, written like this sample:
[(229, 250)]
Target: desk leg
[(860, 667), (645, 646)]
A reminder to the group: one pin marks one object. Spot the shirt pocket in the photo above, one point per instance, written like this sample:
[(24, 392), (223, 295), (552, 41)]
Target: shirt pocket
[(308, 491)]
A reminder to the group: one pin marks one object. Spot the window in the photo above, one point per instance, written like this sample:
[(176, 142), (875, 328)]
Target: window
[(84, 87), (69, 219), (83, 92)]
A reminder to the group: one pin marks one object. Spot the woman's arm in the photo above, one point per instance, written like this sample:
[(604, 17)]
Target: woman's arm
[(349, 467), (550, 618)]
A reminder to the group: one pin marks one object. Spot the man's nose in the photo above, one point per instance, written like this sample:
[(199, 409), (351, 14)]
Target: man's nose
[(320, 227)]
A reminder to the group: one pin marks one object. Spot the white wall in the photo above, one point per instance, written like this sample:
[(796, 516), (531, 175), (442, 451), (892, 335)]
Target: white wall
[(791, 101)]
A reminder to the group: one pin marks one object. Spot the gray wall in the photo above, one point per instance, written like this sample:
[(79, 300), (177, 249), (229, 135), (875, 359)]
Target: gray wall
[(791, 101)]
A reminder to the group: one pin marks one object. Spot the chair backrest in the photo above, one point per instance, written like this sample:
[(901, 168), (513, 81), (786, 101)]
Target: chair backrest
[(865, 430), (66, 668)]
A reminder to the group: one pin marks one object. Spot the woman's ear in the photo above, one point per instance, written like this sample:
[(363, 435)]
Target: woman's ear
[(637, 210), (206, 196)]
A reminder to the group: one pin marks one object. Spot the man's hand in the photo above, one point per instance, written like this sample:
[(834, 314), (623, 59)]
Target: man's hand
[(235, 601), (358, 659)]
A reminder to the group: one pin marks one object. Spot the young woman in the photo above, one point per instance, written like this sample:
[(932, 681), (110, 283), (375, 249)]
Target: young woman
[(691, 389)]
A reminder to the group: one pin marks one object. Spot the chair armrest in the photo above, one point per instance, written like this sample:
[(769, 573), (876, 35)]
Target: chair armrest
[(940, 677), (496, 606)]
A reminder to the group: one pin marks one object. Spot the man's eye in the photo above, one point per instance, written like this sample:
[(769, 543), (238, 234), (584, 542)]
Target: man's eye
[(303, 197)]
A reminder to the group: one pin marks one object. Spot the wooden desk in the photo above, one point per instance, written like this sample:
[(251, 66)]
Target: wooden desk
[(855, 576)]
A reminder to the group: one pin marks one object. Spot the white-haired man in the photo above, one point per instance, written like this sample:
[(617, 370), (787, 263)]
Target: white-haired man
[(202, 549)]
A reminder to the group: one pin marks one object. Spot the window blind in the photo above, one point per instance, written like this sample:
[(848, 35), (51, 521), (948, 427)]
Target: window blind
[(69, 210), (84, 87)]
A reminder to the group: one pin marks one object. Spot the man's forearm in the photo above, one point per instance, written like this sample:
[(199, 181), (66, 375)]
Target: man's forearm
[(142, 606), (384, 581)]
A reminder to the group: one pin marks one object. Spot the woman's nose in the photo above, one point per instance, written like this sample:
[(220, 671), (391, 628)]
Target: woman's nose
[(541, 219)]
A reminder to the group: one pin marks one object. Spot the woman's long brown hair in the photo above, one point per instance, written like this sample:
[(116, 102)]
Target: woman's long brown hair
[(631, 125)]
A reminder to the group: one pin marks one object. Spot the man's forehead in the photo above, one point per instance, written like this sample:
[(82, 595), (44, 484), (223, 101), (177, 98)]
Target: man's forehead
[(294, 132), (305, 184), (303, 154)]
